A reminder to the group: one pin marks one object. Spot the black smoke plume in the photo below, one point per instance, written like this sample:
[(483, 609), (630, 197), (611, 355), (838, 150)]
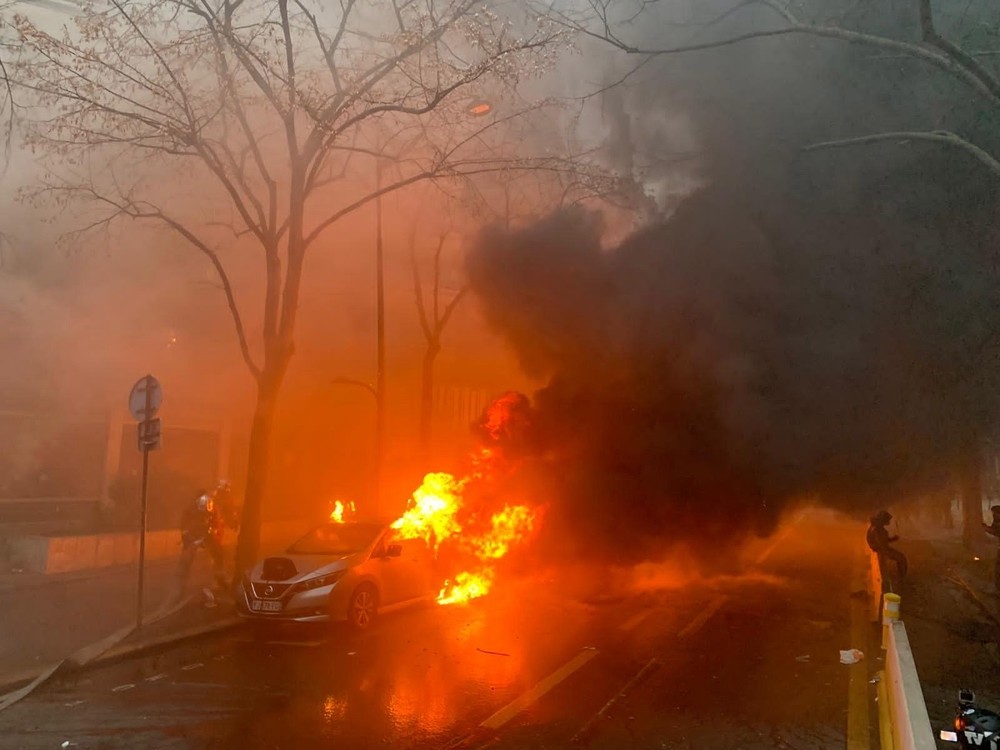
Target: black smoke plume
[(807, 324), (713, 368)]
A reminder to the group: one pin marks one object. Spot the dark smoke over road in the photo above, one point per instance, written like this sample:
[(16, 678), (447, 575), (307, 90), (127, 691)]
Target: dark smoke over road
[(755, 348), (817, 325)]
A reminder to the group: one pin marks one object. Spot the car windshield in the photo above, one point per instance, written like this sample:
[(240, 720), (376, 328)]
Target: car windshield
[(336, 539)]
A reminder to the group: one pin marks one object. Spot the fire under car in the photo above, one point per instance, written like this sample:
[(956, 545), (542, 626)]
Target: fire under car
[(338, 572)]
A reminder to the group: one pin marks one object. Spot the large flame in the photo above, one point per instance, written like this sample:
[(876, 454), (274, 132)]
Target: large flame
[(432, 511), (510, 525), (449, 512), (433, 517)]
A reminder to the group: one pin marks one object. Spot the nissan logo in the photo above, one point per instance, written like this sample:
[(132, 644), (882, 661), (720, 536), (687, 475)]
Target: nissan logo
[(268, 590)]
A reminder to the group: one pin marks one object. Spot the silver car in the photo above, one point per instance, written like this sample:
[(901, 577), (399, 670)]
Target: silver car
[(338, 571)]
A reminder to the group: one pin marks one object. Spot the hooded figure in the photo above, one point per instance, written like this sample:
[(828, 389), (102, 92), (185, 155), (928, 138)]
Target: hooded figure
[(994, 529), (880, 542)]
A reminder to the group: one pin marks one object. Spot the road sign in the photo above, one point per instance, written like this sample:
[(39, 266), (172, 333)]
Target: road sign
[(145, 399), (149, 434)]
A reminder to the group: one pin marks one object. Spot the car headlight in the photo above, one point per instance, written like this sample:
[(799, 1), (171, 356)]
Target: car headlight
[(314, 583)]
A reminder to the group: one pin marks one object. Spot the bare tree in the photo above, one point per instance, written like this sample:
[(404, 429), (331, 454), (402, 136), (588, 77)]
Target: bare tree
[(258, 108), (521, 189), (434, 313), (601, 19)]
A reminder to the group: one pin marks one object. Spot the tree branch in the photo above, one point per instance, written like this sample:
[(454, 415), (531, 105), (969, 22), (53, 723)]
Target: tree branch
[(937, 136), (135, 212), (939, 59), (967, 61)]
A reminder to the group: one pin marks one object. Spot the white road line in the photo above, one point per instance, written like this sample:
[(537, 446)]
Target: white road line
[(634, 621), (653, 663), (156, 677), (517, 705), (710, 609)]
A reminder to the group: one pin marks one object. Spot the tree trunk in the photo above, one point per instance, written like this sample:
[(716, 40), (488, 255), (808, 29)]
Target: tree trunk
[(971, 486), (427, 397), (248, 543)]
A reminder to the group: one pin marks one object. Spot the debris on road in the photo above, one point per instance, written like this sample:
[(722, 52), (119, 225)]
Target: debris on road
[(851, 656), (494, 653), (804, 658)]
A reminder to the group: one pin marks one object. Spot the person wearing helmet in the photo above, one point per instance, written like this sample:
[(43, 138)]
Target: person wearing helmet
[(994, 529), (880, 542), (203, 527)]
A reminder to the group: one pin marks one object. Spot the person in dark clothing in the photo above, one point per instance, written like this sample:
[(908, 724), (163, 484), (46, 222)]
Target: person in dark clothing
[(203, 527), (994, 529), (880, 542)]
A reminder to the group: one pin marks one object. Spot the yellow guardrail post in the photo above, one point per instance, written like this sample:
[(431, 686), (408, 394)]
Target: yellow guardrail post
[(890, 613)]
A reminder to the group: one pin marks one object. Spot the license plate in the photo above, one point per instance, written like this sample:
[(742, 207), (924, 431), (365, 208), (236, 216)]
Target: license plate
[(258, 606)]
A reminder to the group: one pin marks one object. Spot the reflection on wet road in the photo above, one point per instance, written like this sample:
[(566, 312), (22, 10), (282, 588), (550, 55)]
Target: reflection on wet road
[(711, 665)]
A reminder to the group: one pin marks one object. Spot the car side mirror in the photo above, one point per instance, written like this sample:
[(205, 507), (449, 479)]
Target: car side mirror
[(394, 550)]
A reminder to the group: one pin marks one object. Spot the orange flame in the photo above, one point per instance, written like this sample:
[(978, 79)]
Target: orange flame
[(432, 516), (438, 512), (466, 586), (432, 510), (500, 414), (510, 525), (337, 514)]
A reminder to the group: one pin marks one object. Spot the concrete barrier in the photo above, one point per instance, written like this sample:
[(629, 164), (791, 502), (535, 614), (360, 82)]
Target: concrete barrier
[(911, 726), (66, 554), (902, 703)]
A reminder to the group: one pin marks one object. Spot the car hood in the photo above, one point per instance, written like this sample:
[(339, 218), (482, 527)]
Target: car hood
[(309, 566)]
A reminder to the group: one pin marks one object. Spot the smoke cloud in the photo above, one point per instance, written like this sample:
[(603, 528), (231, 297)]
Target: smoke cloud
[(805, 324)]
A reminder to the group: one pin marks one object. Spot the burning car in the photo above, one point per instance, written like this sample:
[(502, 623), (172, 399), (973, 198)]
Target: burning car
[(339, 571)]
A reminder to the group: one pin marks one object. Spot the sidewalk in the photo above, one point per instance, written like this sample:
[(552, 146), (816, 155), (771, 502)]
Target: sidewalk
[(952, 618), (47, 618)]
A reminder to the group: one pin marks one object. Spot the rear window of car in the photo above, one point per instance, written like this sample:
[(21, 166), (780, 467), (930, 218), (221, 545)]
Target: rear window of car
[(336, 539)]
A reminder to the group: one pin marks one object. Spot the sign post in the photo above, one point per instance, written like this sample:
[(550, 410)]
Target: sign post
[(144, 402)]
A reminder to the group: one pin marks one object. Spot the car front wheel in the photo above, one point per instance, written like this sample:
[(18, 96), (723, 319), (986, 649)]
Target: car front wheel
[(363, 608)]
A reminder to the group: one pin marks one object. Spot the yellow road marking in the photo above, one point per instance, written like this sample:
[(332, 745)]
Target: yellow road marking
[(777, 540), (517, 705), (696, 624), (858, 723), (633, 621)]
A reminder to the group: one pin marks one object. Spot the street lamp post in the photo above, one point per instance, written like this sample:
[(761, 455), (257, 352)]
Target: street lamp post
[(380, 346), (477, 108), (373, 391)]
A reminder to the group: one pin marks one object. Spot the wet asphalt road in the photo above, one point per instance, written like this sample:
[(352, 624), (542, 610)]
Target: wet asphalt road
[(738, 662)]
